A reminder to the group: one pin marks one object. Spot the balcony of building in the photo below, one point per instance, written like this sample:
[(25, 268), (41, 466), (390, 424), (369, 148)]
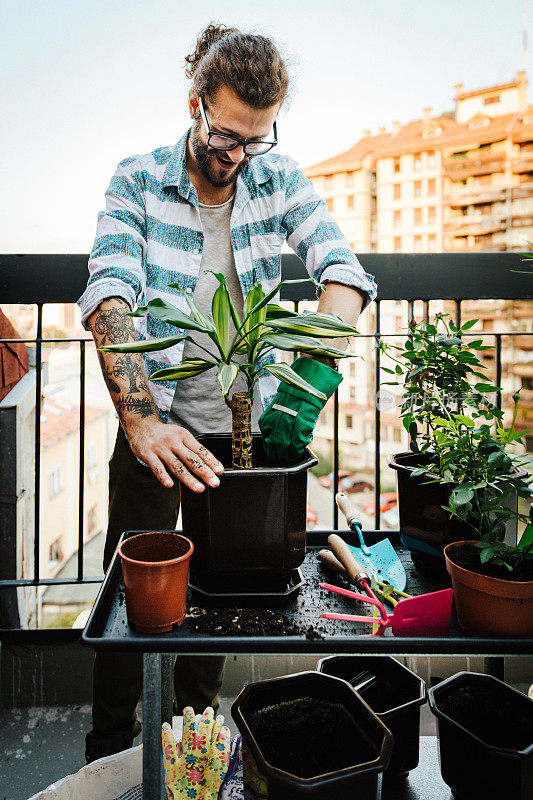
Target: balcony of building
[(472, 196), (522, 165), (457, 169), (47, 670), (475, 224)]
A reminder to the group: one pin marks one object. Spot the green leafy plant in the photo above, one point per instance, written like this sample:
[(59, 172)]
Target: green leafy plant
[(459, 432), (265, 327)]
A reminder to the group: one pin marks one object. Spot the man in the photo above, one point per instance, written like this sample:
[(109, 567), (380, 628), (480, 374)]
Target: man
[(217, 200)]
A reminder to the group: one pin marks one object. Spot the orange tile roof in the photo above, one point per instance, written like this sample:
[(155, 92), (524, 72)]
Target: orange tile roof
[(499, 87), (349, 160), (60, 418), (410, 139)]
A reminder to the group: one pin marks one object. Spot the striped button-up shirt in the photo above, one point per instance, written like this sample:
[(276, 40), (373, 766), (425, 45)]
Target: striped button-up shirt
[(151, 235)]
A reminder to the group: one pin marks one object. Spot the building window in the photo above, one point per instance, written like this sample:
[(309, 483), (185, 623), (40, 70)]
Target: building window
[(352, 369), (397, 217), (432, 214), (432, 159), (418, 189), (418, 244), (350, 201), (349, 421), (418, 162), (418, 216), (397, 434), (432, 242), (396, 165), (328, 182), (329, 203), (350, 179), (352, 392), (55, 481), (397, 244), (397, 191), (495, 98), (431, 186), (55, 553)]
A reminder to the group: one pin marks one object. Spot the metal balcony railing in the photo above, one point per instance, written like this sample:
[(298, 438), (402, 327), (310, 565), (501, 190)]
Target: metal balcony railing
[(42, 279)]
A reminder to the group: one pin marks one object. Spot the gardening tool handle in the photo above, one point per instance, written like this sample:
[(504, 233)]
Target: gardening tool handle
[(329, 561), (347, 559), (343, 502)]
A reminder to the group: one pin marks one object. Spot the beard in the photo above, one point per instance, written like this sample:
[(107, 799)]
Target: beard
[(206, 160)]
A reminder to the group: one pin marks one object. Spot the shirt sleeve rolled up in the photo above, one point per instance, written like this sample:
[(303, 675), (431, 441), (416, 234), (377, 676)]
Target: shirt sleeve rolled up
[(117, 256), (316, 238)]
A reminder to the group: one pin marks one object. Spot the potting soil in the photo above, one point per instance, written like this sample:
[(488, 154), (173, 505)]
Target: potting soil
[(246, 622), (467, 556), (495, 723), (307, 737)]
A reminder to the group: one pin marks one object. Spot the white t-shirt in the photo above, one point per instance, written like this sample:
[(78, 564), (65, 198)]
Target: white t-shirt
[(198, 403)]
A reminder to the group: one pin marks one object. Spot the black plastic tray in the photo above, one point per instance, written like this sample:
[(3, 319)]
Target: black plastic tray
[(107, 626)]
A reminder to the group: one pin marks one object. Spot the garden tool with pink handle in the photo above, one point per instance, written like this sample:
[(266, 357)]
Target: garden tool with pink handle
[(425, 615), (380, 559)]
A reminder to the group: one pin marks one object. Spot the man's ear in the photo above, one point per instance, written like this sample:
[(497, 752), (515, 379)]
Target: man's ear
[(193, 103)]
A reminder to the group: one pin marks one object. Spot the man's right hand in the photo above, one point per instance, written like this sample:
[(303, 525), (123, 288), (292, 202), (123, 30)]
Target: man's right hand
[(172, 452)]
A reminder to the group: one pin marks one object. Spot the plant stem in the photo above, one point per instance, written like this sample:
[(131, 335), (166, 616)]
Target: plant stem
[(241, 434)]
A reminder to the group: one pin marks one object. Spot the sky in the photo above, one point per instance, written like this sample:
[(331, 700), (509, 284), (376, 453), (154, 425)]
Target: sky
[(85, 85)]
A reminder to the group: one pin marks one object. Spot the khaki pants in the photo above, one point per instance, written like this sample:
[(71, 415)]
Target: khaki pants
[(137, 501)]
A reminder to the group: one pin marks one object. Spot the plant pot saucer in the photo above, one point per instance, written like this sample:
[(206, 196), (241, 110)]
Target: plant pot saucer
[(280, 591)]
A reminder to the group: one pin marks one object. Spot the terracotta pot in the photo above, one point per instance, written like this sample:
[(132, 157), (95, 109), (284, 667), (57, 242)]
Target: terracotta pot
[(156, 574), (490, 606)]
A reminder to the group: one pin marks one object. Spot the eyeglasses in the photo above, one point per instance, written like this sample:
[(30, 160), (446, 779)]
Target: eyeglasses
[(223, 141)]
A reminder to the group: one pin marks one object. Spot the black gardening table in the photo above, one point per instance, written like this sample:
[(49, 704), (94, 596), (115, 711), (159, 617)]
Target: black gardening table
[(107, 628)]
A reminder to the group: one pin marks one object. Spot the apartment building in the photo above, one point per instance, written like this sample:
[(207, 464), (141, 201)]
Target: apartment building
[(460, 181)]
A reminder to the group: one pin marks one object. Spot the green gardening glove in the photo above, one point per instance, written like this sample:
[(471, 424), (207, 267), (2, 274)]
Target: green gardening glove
[(287, 424)]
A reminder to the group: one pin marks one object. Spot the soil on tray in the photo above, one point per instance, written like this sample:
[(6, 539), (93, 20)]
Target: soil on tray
[(247, 622), (467, 556), (492, 718), (309, 737)]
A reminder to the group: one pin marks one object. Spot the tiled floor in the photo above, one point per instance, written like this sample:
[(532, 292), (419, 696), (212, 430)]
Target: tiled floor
[(40, 745)]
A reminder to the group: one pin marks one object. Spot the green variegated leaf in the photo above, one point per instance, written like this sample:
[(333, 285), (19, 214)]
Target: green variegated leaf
[(144, 346), (233, 311), (327, 326), (166, 312), (275, 312), (187, 369), (263, 301), (305, 344), (221, 315), (206, 320), (284, 373), (226, 376)]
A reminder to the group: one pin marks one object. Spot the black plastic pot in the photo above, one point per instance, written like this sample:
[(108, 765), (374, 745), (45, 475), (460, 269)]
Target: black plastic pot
[(250, 530), (472, 763), (359, 779), (425, 527), (394, 693)]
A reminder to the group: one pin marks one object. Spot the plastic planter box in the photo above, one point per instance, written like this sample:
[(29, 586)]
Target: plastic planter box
[(471, 767), (253, 525), (356, 780), (424, 525), (394, 693)]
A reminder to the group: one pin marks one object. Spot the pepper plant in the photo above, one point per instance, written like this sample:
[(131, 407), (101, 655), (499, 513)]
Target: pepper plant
[(459, 433), (265, 326)]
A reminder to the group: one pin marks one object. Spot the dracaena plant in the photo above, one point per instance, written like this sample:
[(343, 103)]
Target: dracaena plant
[(264, 327), (459, 432)]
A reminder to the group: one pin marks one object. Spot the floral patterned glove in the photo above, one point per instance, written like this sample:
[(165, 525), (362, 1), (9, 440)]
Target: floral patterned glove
[(196, 769)]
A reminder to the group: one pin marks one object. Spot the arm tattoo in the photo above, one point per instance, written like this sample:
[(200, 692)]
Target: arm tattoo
[(113, 326), (135, 405)]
